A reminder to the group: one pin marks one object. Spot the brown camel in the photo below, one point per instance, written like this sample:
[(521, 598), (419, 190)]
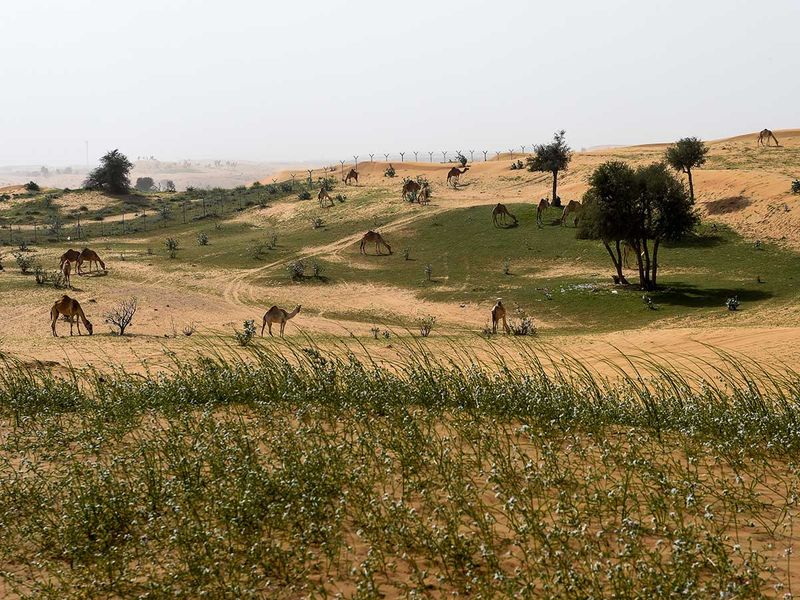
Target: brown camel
[(544, 204), (374, 236), (323, 196), (277, 315), (424, 196), (573, 207), (453, 175), (90, 256), (70, 308), (499, 314), (353, 174), (500, 210), (66, 270), (764, 137), (411, 188), (70, 256)]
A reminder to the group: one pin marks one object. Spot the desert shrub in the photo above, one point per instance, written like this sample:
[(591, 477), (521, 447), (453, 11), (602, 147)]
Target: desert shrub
[(168, 185), (189, 329), (202, 238), (144, 184), (247, 334), (256, 185), (507, 267), (172, 247), (286, 186), (25, 262), (316, 223), (341, 197), (375, 331), (517, 165), (648, 302), (796, 186), (406, 253), (271, 189), (733, 303), (389, 172), (297, 269), (56, 279), (121, 316), (23, 246), (426, 325), (272, 242), (304, 195), (521, 323), (316, 269), (428, 272), (32, 186)]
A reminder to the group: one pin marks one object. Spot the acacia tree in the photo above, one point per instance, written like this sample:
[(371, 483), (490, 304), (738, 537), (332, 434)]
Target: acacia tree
[(685, 155), (112, 174), (551, 158), (637, 207)]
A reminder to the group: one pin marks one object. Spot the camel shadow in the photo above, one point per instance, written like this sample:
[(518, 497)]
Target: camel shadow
[(697, 241), (691, 296), (506, 225), (95, 274)]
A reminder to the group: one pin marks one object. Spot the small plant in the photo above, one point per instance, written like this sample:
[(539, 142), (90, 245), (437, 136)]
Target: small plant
[(32, 186), (304, 195), (487, 330), (56, 279), (24, 262), (341, 197), (507, 267), (426, 325), (172, 247), (648, 301), (189, 329), (386, 334), (247, 334), (428, 271), (375, 331), (796, 186), (272, 242), (297, 269), (406, 253), (389, 172), (758, 245), (521, 324), (121, 316), (23, 246), (316, 269), (202, 238), (317, 223), (517, 165), (39, 275), (733, 303)]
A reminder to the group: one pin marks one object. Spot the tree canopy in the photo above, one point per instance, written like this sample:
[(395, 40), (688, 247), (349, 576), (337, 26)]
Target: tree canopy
[(636, 207), (551, 158), (685, 155), (112, 174)]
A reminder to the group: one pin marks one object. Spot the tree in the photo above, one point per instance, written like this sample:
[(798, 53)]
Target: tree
[(551, 158), (636, 207), (32, 186), (122, 315), (112, 174), (685, 155), (144, 184)]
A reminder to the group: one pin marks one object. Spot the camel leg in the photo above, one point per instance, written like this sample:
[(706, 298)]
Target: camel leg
[(283, 326), (53, 320), (264, 324), (494, 324), (269, 326), (505, 325), (78, 323)]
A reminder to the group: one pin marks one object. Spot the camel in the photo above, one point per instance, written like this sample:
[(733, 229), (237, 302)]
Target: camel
[(500, 210), (66, 270), (499, 314), (277, 315), (92, 257), (374, 236), (453, 175), (544, 204), (353, 174), (572, 207), (70, 308), (424, 195), (411, 188), (764, 136), (69, 256), (324, 195)]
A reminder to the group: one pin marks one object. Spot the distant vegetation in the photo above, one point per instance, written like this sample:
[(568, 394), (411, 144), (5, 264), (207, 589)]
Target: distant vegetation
[(687, 154), (551, 158), (112, 174)]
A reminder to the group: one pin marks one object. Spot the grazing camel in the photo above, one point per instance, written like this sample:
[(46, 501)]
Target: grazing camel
[(324, 195), (500, 210), (573, 207), (374, 236), (424, 196), (90, 256), (71, 308), (764, 137), (277, 315), (544, 204), (499, 314), (69, 256), (453, 175), (410, 188), (353, 174), (66, 270)]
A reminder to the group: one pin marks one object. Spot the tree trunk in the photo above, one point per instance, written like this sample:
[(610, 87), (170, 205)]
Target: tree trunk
[(647, 263), (638, 247), (656, 242), (691, 184), (555, 188), (617, 261)]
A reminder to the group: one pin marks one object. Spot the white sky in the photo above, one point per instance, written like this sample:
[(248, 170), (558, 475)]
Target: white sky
[(308, 80)]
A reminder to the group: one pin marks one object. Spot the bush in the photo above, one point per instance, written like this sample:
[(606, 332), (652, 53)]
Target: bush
[(145, 184), (112, 174), (189, 329), (172, 247), (202, 238), (304, 195), (297, 269), (246, 336), (316, 269), (733, 303), (521, 324), (32, 186), (272, 243), (168, 185), (121, 316), (24, 262), (506, 267), (517, 165), (428, 272), (316, 223), (389, 172), (426, 325), (256, 185), (286, 186), (406, 252), (796, 186)]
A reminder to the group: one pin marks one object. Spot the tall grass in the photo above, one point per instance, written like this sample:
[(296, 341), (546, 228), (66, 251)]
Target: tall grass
[(313, 473)]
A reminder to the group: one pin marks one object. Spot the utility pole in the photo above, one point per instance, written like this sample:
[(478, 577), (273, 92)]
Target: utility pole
[(355, 158), (485, 152), (415, 156), (472, 156), (511, 151), (342, 163), (444, 155), (430, 155), (401, 156), (370, 157), (386, 156)]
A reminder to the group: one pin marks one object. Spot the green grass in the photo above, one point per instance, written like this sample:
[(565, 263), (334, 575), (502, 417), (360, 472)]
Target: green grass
[(319, 474)]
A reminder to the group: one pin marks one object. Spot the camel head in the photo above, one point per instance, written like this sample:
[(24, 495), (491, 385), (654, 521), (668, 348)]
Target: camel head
[(388, 246), (89, 327)]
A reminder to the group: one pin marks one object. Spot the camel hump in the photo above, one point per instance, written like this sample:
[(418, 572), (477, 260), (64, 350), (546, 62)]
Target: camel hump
[(273, 307)]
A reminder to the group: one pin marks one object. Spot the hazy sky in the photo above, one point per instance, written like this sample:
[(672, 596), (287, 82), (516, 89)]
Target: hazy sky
[(295, 80)]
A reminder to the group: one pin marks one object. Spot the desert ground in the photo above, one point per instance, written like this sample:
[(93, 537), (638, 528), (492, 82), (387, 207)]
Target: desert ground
[(745, 246)]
